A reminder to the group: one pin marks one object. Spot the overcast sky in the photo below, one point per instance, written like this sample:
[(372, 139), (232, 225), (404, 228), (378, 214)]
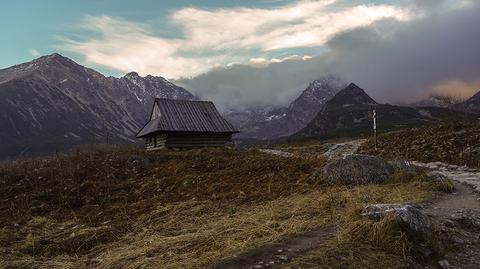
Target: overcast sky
[(248, 53)]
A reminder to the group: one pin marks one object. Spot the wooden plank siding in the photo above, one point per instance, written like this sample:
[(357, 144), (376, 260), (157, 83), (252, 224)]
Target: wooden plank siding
[(187, 140), (186, 123)]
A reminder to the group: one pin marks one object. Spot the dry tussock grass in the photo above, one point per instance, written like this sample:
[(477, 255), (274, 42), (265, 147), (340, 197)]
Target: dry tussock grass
[(185, 209), (454, 143)]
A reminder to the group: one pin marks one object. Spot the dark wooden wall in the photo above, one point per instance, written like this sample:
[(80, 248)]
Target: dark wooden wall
[(188, 140)]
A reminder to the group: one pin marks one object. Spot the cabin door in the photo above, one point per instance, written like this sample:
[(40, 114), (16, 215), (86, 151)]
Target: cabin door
[(154, 141)]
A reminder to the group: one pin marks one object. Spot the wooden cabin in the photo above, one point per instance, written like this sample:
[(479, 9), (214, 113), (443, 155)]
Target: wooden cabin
[(186, 124)]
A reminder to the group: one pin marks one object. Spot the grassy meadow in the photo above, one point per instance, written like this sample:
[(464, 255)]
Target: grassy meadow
[(189, 209)]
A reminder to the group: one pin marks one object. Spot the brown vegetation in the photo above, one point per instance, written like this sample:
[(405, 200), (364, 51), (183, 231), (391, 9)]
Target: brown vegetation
[(457, 144), (185, 209)]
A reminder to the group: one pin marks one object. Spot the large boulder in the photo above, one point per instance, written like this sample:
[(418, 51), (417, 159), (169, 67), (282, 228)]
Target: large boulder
[(414, 221), (356, 169), (406, 167)]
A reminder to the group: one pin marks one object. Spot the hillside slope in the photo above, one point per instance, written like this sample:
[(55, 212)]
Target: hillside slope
[(125, 208), (272, 123), (457, 144), (472, 104), (349, 113), (53, 103)]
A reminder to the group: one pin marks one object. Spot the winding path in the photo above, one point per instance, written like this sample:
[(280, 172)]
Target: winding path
[(461, 206)]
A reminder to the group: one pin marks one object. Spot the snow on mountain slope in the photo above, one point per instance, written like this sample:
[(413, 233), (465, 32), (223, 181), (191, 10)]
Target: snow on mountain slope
[(270, 123), (53, 103)]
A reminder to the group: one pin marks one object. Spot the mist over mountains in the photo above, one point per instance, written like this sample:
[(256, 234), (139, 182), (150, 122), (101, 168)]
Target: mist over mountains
[(349, 114), (52, 104), (395, 61)]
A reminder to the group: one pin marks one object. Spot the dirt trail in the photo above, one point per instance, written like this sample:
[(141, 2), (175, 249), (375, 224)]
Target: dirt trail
[(461, 174), (458, 213), (277, 254), (340, 150), (277, 152)]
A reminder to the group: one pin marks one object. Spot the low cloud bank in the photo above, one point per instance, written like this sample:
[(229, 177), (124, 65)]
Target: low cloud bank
[(394, 61)]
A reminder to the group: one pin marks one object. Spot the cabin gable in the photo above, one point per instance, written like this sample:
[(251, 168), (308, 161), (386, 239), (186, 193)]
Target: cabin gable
[(155, 112), (185, 124)]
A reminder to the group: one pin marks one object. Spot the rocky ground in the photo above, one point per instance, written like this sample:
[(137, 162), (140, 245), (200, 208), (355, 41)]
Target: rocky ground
[(285, 207), (461, 174), (456, 216)]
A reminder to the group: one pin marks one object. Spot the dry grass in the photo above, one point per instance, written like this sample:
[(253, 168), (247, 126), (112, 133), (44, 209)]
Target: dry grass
[(185, 209), (457, 144)]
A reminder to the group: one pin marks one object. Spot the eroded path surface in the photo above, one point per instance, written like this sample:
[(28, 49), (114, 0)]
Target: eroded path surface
[(461, 174), (277, 254), (458, 213), (340, 150), (277, 152)]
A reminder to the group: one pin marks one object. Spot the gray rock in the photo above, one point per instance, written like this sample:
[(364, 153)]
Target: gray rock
[(356, 169), (414, 221), (138, 162), (449, 224), (437, 176), (444, 264), (457, 241), (406, 166), (467, 217)]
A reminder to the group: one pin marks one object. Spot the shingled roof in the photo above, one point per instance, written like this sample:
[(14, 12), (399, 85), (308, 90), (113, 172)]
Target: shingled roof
[(187, 116)]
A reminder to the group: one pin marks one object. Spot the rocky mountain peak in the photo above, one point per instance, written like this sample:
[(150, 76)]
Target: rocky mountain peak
[(320, 90), (55, 99), (53, 67), (131, 75), (55, 59), (351, 95), (326, 82)]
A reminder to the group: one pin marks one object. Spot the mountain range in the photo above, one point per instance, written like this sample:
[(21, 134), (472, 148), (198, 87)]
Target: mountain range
[(265, 123), (349, 113), (53, 104), (470, 105)]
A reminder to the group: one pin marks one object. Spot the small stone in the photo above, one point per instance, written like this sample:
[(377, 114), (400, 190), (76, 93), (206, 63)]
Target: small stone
[(280, 250), (449, 224), (282, 257), (458, 241), (444, 264), (257, 266)]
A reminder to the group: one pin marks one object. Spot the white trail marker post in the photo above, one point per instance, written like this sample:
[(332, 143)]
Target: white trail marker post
[(375, 126)]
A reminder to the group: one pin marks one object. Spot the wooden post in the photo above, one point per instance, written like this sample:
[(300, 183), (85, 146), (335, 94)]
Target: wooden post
[(375, 126)]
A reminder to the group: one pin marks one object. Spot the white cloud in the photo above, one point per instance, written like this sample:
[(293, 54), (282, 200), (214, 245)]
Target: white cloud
[(34, 52), (261, 62), (221, 36), (436, 53)]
